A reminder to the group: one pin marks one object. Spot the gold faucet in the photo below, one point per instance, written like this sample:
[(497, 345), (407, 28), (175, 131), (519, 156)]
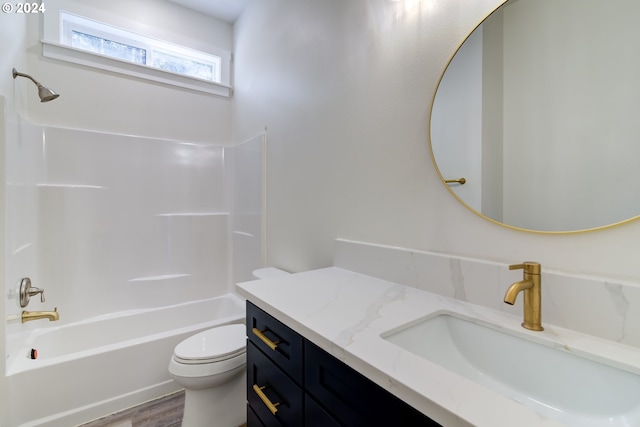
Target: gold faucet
[(34, 315), (532, 289)]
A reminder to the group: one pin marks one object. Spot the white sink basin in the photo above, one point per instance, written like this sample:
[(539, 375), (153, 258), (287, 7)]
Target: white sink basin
[(556, 383)]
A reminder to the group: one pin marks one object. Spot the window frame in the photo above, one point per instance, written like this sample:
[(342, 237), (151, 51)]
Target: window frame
[(219, 59)]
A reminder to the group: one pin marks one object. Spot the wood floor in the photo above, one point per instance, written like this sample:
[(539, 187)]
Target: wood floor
[(163, 412)]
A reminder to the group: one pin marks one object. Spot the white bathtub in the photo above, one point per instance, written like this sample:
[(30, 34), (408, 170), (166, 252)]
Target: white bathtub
[(92, 368)]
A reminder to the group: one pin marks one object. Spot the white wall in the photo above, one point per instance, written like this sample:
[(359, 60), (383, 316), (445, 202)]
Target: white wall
[(4, 392), (12, 48), (345, 89), (97, 100)]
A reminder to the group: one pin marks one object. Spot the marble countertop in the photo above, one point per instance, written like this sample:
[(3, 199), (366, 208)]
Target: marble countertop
[(345, 313)]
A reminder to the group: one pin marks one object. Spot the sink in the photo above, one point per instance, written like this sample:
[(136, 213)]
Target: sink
[(554, 382)]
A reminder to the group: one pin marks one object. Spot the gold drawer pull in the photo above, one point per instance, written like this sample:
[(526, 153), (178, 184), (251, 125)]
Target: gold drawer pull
[(272, 406), (272, 344)]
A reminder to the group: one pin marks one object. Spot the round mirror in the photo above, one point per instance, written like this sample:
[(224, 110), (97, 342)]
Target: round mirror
[(538, 113)]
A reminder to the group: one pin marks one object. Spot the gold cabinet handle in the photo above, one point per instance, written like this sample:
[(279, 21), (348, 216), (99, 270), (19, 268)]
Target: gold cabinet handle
[(272, 406), (260, 334)]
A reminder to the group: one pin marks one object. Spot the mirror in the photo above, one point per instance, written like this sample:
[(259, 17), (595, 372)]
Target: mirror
[(539, 112)]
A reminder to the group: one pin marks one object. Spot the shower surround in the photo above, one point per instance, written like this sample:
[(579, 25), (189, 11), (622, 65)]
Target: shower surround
[(113, 224)]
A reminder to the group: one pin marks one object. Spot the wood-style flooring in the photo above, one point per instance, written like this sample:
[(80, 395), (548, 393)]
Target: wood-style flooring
[(163, 412)]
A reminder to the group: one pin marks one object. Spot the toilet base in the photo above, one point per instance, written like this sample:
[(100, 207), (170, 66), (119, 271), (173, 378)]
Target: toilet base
[(222, 406)]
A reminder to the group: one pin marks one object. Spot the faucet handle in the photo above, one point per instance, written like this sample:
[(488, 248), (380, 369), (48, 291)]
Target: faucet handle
[(35, 291), (529, 267), (26, 291)]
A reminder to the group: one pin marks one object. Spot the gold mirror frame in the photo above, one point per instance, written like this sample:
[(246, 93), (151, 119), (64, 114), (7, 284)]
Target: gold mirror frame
[(458, 180)]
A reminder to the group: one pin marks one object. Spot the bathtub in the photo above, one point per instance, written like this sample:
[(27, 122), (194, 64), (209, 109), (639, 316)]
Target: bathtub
[(89, 369)]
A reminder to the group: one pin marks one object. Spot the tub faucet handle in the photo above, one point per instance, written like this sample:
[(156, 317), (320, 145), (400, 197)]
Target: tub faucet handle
[(35, 291), (27, 291)]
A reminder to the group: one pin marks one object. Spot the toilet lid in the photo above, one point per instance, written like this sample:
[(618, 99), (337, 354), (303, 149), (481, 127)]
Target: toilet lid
[(211, 345)]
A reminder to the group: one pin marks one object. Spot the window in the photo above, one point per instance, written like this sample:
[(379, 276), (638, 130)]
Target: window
[(89, 42), (86, 34), (108, 47)]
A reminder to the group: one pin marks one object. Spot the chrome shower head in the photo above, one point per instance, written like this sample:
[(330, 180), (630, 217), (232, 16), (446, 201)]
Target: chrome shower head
[(44, 92)]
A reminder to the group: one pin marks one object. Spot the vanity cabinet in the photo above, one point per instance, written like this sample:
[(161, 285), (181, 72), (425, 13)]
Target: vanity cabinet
[(291, 382), (274, 371)]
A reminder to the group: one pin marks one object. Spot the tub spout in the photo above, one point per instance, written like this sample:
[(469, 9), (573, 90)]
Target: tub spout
[(34, 315)]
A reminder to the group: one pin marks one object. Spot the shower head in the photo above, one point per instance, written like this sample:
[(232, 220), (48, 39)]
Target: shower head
[(44, 93)]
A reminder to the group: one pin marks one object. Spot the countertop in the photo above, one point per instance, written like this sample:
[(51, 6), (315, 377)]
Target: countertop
[(345, 313)]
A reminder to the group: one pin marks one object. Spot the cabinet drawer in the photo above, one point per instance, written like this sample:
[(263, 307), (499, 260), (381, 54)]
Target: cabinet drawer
[(252, 418), (352, 398), (268, 385), (279, 342), (316, 416)]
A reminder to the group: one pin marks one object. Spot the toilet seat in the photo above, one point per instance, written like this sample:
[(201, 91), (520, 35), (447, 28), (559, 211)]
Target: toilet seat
[(211, 346), (211, 367)]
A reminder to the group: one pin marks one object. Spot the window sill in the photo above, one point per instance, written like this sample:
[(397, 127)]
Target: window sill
[(76, 56)]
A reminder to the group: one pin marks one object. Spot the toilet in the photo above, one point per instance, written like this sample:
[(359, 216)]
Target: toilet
[(211, 366)]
